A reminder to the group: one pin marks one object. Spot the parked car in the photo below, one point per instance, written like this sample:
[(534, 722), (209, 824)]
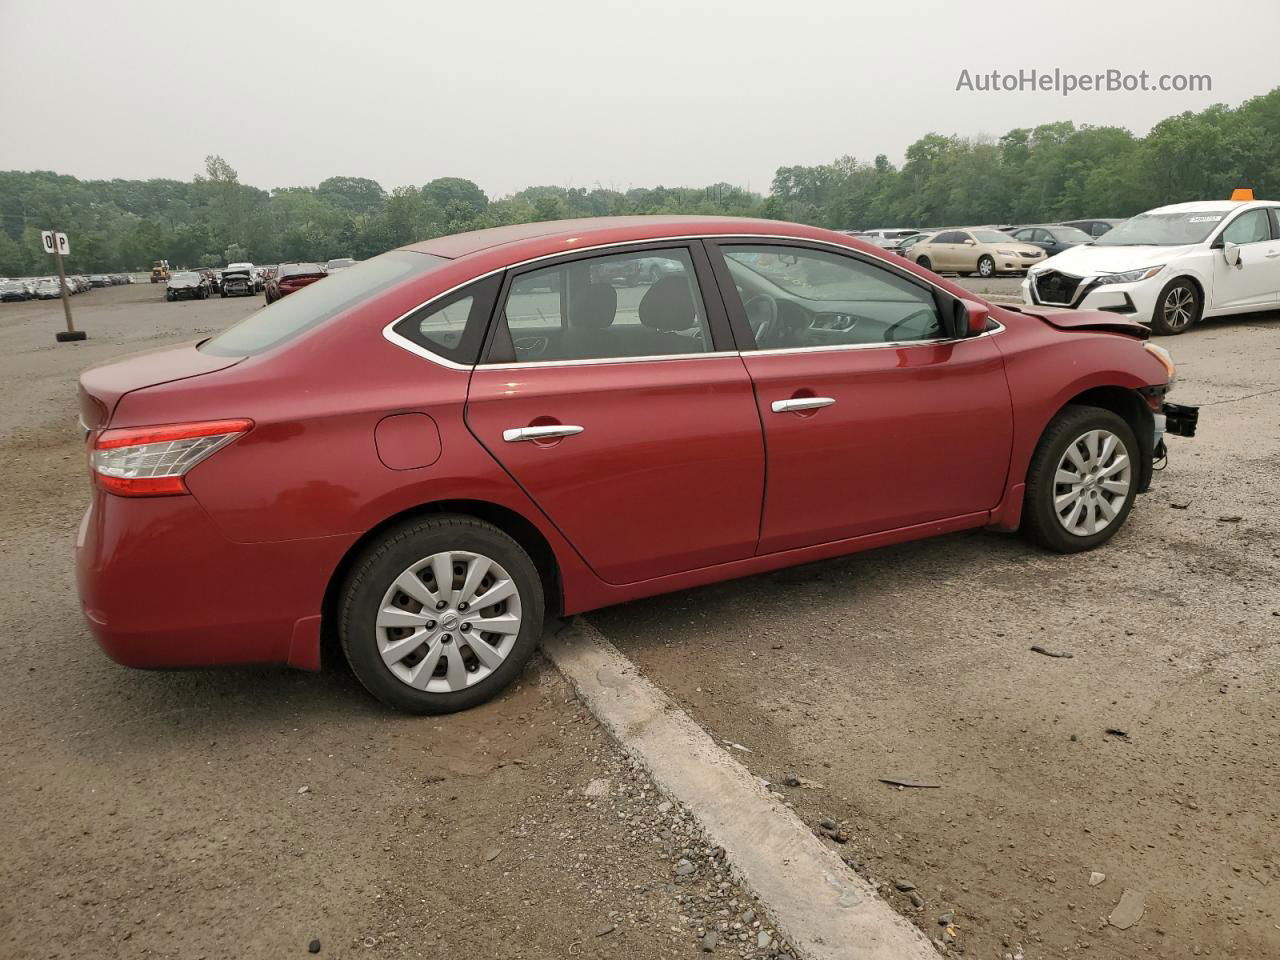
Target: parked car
[(99, 280), (979, 250), (187, 285), (14, 291), (907, 244), (238, 281), (1172, 266), (49, 290), (428, 452), (341, 263), (291, 277), (889, 239), (1094, 228), (1052, 238)]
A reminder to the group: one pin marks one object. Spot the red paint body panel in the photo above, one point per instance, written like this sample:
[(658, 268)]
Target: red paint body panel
[(665, 489), (667, 474), (916, 434)]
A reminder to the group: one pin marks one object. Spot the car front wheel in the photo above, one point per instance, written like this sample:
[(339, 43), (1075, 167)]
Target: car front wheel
[(1177, 308), (986, 266), (440, 614), (1082, 480)]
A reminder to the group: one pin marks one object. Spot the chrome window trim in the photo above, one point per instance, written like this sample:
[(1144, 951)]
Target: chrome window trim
[(389, 333)]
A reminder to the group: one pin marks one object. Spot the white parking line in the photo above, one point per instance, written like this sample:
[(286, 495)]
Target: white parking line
[(824, 909)]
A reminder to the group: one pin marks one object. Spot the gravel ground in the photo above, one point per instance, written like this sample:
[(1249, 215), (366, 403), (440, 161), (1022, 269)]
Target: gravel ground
[(1148, 757), (244, 813)]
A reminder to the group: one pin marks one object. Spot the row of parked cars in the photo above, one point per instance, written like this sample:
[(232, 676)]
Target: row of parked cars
[(988, 250), (1169, 267), (247, 280), (18, 289)]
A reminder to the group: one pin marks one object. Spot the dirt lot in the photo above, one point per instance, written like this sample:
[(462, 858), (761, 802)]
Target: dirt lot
[(915, 662), (242, 814), (164, 814)]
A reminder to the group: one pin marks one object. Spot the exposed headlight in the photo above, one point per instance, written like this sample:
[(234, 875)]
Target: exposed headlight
[(1163, 355), (1131, 276), (1009, 253)]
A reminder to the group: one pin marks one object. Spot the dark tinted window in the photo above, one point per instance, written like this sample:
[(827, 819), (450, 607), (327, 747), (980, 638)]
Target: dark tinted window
[(643, 304), (314, 304), (453, 326), (951, 236)]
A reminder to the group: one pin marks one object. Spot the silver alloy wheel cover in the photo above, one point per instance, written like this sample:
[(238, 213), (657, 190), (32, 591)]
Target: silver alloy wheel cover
[(1178, 308), (481, 617), (1091, 483), (986, 267)]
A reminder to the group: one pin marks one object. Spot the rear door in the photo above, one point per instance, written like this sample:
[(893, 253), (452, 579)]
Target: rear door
[(874, 418), (619, 404)]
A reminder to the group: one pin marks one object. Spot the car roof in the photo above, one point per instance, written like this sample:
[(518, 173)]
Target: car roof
[(1222, 205), (537, 239)]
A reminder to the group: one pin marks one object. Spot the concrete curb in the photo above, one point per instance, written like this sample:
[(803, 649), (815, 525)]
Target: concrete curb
[(816, 902)]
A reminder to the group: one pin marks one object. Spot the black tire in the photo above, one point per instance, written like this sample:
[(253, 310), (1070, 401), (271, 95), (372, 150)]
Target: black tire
[(1040, 521), (168, 295), (223, 294), (986, 266), (1177, 309), (383, 561), (924, 262)]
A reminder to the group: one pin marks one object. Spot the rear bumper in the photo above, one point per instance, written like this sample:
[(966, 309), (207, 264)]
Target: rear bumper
[(161, 586)]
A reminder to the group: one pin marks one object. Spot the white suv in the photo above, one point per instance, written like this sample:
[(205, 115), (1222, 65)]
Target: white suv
[(1171, 266)]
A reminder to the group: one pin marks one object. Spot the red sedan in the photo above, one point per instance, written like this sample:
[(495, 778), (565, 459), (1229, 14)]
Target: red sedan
[(292, 277), (430, 451)]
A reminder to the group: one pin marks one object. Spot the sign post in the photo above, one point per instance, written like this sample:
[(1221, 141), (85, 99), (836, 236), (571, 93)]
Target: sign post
[(56, 244)]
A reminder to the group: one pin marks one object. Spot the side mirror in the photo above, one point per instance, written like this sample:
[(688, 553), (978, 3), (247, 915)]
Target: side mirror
[(972, 318), (968, 242), (1231, 252)]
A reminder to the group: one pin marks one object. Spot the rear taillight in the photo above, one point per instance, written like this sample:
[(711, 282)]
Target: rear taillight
[(152, 461)]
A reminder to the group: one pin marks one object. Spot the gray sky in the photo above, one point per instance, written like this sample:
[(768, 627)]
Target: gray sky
[(575, 92)]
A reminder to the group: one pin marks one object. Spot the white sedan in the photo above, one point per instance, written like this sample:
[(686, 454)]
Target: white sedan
[(1171, 266)]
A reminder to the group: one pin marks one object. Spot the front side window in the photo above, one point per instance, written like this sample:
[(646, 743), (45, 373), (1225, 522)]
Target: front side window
[(794, 297), (1251, 226), (643, 304)]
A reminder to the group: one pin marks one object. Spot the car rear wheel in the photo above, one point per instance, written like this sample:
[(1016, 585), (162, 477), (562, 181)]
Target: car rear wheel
[(440, 614), (1082, 480), (1177, 308), (986, 266), (924, 262)]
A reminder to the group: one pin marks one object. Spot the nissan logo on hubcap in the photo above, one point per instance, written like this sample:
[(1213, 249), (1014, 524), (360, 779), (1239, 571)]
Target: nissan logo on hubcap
[(449, 621)]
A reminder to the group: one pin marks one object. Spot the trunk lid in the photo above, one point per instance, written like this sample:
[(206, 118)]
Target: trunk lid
[(1064, 318), (102, 387)]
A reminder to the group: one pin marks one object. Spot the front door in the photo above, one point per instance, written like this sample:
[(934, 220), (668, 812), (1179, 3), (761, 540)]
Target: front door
[(1255, 279), (611, 394), (874, 420)]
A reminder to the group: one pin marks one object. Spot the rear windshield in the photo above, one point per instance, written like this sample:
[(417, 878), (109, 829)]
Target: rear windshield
[(293, 269), (314, 304)]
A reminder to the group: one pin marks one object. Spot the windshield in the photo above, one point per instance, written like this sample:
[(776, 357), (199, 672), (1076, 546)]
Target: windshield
[(189, 277), (293, 269), (1071, 235), (1163, 229), (318, 302), (993, 236)]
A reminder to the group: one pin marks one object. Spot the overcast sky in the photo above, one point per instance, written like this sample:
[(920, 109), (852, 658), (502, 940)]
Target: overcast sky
[(575, 92)]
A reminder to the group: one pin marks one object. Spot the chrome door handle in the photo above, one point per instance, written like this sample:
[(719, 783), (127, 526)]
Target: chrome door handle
[(516, 434), (801, 403), (1272, 255)]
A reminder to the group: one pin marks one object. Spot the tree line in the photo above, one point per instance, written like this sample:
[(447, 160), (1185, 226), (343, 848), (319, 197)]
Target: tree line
[(1051, 172)]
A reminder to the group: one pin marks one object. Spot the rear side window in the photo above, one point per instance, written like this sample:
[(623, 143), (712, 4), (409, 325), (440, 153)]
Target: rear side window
[(314, 304), (453, 326), (639, 304)]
